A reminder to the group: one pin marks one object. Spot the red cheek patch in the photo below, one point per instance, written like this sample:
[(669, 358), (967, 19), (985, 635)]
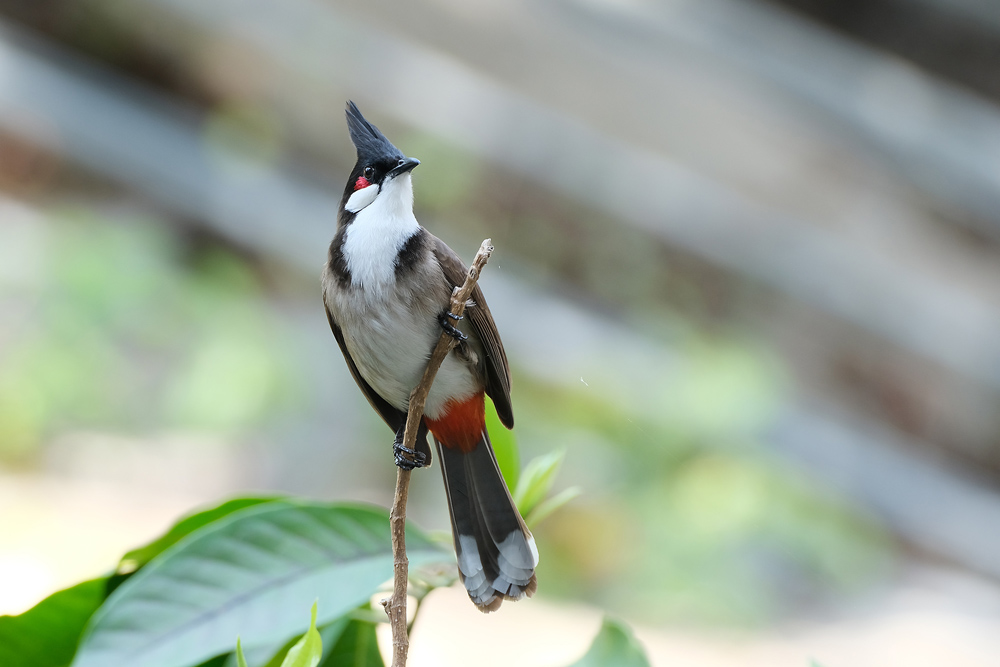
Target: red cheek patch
[(361, 183)]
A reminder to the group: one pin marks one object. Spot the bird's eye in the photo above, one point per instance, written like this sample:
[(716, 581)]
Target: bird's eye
[(400, 163), (369, 172)]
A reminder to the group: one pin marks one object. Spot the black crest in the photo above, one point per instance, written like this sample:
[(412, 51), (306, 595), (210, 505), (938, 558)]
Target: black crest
[(368, 140)]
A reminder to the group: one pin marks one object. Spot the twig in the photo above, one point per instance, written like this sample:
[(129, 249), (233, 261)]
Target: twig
[(395, 606)]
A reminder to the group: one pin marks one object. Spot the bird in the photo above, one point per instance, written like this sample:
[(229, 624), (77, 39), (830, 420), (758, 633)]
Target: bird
[(387, 286)]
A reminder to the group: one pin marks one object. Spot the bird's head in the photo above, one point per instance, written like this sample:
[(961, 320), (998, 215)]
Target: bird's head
[(381, 170)]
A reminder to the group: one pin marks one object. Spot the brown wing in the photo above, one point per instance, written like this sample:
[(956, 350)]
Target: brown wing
[(497, 371)]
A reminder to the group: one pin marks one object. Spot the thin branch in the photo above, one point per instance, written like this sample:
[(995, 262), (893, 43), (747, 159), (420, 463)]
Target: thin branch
[(395, 606)]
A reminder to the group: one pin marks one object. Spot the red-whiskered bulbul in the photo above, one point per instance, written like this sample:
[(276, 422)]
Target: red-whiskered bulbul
[(387, 287)]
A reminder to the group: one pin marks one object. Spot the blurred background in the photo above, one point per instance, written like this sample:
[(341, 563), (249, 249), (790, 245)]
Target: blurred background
[(746, 272)]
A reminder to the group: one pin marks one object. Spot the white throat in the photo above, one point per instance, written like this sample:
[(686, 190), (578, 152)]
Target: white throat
[(381, 226)]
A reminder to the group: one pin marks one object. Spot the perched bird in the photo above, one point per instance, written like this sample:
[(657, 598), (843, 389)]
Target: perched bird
[(387, 286)]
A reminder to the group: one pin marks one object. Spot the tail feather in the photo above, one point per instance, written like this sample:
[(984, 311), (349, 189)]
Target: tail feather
[(496, 552)]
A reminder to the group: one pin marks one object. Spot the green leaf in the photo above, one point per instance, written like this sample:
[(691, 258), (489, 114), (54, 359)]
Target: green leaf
[(261, 655), (136, 558), (536, 480), (356, 647), (240, 660), (329, 633), (504, 446), (549, 505), (47, 634), (277, 657), (249, 573), (614, 646), (308, 650)]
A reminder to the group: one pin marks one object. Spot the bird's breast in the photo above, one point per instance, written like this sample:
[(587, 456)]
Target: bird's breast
[(390, 334)]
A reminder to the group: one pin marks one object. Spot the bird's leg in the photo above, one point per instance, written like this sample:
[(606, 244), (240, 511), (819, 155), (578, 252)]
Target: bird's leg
[(407, 458), (444, 318)]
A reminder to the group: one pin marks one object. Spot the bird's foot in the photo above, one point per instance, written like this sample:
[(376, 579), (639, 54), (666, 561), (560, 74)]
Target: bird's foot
[(444, 318), (407, 458)]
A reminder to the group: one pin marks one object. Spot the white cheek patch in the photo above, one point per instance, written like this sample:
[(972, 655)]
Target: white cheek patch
[(382, 225), (362, 198)]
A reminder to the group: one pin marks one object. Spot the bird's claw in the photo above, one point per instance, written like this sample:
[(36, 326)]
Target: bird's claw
[(449, 327), (407, 458)]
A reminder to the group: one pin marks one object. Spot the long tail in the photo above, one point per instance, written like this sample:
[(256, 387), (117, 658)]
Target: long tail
[(496, 552)]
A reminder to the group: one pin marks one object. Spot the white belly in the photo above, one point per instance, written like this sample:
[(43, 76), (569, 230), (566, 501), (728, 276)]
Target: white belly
[(390, 345)]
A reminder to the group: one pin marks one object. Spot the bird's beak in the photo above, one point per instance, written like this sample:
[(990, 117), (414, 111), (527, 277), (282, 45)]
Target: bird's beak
[(406, 164)]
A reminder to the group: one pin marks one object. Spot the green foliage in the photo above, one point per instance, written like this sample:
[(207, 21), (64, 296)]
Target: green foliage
[(308, 651), (354, 540), (536, 481), (240, 660), (349, 640), (46, 635), (246, 573), (549, 506), (356, 647), (125, 327), (137, 558), (695, 523), (243, 566), (614, 646), (278, 657), (504, 446), (530, 489)]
